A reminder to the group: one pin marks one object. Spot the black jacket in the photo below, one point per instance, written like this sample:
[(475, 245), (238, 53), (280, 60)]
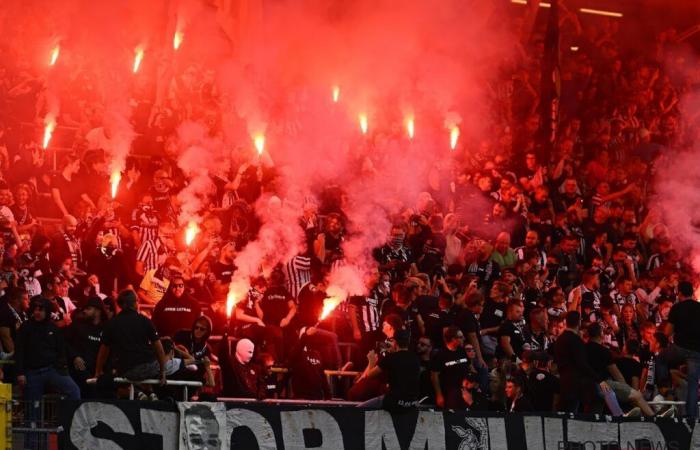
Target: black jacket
[(83, 340), (40, 345)]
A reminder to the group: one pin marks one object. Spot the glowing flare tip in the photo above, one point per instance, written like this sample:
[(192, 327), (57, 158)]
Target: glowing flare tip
[(138, 57), (230, 303), (329, 304), (48, 130), (54, 55), (177, 39), (336, 94), (410, 127), (114, 180), (190, 233), (454, 137), (259, 141), (363, 123)]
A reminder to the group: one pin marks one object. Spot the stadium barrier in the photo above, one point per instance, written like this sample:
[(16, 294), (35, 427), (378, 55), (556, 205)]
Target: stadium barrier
[(287, 425)]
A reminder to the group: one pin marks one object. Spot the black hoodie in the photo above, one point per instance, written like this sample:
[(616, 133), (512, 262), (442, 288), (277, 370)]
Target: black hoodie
[(40, 345), (173, 314)]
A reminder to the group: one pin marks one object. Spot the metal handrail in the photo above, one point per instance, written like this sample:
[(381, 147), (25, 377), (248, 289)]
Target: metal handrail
[(182, 383)]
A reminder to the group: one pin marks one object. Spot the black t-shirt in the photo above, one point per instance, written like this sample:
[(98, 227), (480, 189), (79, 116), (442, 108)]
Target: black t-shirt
[(274, 305), (468, 323), (629, 368), (310, 305), (70, 190), (599, 358), (83, 338), (542, 386), (403, 373), (223, 272), (684, 317), (197, 350), (493, 314), (130, 336), (516, 333), (452, 367)]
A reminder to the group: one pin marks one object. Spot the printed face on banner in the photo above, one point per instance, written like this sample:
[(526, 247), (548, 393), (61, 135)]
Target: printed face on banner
[(200, 428)]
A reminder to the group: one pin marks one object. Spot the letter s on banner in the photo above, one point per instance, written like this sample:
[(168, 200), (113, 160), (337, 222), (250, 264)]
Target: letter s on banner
[(88, 415), (257, 424), (379, 428), (295, 422)]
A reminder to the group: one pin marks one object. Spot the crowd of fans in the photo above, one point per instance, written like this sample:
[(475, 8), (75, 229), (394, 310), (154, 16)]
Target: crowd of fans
[(560, 294)]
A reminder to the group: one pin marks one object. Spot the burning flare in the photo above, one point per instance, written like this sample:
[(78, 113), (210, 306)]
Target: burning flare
[(114, 180), (50, 125), (138, 57), (177, 39), (329, 304), (363, 123), (410, 127), (259, 141), (454, 137), (54, 54), (190, 233), (230, 303), (336, 94)]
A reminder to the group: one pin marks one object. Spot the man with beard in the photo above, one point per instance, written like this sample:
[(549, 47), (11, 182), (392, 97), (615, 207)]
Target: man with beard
[(532, 241), (83, 338), (66, 244), (223, 268)]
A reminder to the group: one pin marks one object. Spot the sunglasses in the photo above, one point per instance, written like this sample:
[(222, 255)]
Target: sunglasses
[(200, 328), (469, 349)]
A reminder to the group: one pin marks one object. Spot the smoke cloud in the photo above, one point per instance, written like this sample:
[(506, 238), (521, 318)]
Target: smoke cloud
[(276, 65)]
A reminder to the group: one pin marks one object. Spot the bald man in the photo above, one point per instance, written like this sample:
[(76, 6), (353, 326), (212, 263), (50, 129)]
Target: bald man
[(65, 244), (239, 376)]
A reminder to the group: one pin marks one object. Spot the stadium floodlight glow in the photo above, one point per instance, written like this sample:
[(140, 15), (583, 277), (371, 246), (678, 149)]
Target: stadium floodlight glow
[(600, 12), (524, 2)]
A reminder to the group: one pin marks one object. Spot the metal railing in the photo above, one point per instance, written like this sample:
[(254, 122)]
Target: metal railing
[(35, 423)]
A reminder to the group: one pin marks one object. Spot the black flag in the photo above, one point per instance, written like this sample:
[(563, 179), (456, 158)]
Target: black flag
[(550, 88)]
